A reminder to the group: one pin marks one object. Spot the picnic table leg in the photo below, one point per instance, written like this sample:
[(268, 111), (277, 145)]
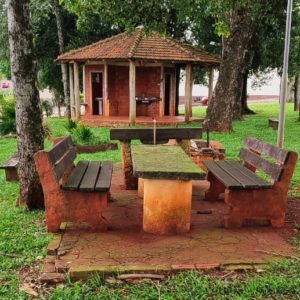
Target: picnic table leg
[(167, 206), (141, 187), (131, 182)]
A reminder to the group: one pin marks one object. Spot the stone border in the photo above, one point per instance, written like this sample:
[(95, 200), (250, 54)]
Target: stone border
[(96, 148)]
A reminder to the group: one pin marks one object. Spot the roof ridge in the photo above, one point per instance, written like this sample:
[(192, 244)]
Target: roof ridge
[(139, 35), (200, 50), (91, 45), (177, 43)]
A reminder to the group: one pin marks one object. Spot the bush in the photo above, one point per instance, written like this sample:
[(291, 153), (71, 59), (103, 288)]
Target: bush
[(71, 125), (47, 108), (82, 135), (47, 130), (7, 116)]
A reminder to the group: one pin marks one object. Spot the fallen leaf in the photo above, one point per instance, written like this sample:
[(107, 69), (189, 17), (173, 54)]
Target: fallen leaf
[(28, 290)]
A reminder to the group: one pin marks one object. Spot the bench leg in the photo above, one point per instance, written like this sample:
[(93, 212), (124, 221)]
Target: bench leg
[(266, 204), (85, 209), (167, 206), (215, 189), (279, 222), (11, 174)]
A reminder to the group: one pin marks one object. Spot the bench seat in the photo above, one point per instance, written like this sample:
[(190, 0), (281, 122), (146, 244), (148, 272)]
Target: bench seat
[(90, 176), (235, 176)]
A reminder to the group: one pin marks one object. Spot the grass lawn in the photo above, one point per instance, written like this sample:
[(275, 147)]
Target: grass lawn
[(23, 238)]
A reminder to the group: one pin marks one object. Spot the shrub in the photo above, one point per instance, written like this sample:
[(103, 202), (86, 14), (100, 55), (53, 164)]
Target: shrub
[(47, 108), (71, 125), (83, 135), (47, 130), (7, 116)]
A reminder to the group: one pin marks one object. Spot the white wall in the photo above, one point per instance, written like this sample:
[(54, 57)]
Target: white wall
[(270, 88)]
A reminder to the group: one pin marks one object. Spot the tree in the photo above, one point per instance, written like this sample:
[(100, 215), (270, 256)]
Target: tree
[(61, 41), (30, 134), (238, 22)]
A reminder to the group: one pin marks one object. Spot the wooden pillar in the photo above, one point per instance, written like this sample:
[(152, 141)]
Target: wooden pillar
[(72, 99), (105, 90), (173, 94), (188, 92), (132, 102), (83, 83), (162, 92), (76, 90), (210, 83)]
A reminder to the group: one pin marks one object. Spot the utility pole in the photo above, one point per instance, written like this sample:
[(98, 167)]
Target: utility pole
[(284, 77)]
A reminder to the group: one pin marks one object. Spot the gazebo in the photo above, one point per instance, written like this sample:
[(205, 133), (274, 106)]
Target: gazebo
[(133, 78)]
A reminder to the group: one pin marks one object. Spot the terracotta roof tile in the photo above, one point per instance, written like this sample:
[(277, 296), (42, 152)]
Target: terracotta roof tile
[(140, 46)]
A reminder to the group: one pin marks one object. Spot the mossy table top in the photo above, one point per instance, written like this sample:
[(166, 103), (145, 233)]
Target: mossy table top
[(163, 162)]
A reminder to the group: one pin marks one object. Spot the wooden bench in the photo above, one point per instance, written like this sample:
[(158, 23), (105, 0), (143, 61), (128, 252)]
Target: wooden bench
[(273, 123), (146, 136), (248, 195), (73, 194), (11, 167)]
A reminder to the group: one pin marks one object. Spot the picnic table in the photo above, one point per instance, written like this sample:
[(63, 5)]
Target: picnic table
[(167, 174)]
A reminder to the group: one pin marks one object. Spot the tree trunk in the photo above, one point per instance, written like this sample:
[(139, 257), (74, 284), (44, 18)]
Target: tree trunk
[(297, 95), (30, 133), (226, 103), (245, 109), (61, 42)]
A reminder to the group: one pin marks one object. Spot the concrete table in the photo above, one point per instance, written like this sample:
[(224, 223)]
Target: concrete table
[(167, 174)]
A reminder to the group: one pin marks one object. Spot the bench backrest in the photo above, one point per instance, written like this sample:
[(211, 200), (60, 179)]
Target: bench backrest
[(145, 135), (62, 156), (254, 152)]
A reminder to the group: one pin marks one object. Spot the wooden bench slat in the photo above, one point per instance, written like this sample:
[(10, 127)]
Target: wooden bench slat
[(104, 180), (90, 177), (260, 181), (234, 172), (64, 162), (162, 134), (262, 164), (256, 145), (76, 176), (222, 175), (60, 149)]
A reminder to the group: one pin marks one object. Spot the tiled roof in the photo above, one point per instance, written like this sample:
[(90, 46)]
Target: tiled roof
[(138, 45)]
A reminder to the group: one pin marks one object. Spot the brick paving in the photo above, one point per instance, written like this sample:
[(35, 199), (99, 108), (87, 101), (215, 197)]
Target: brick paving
[(125, 247)]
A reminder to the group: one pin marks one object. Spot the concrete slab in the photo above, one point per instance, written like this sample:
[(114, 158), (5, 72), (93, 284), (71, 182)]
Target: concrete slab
[(126, 248)]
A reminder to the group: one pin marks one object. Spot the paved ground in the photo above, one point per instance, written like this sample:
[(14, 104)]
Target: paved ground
[(125, 247)]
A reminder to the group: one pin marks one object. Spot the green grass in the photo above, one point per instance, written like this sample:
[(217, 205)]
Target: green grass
[(279, 281), (23, 237)]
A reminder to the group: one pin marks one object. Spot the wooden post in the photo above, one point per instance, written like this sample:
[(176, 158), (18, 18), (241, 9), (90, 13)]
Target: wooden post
[(162, 92), (188, 92), (132, 102), (76, 90), (173, 94), (72, 99), (210, 83), (83, 83), (105, 88)]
